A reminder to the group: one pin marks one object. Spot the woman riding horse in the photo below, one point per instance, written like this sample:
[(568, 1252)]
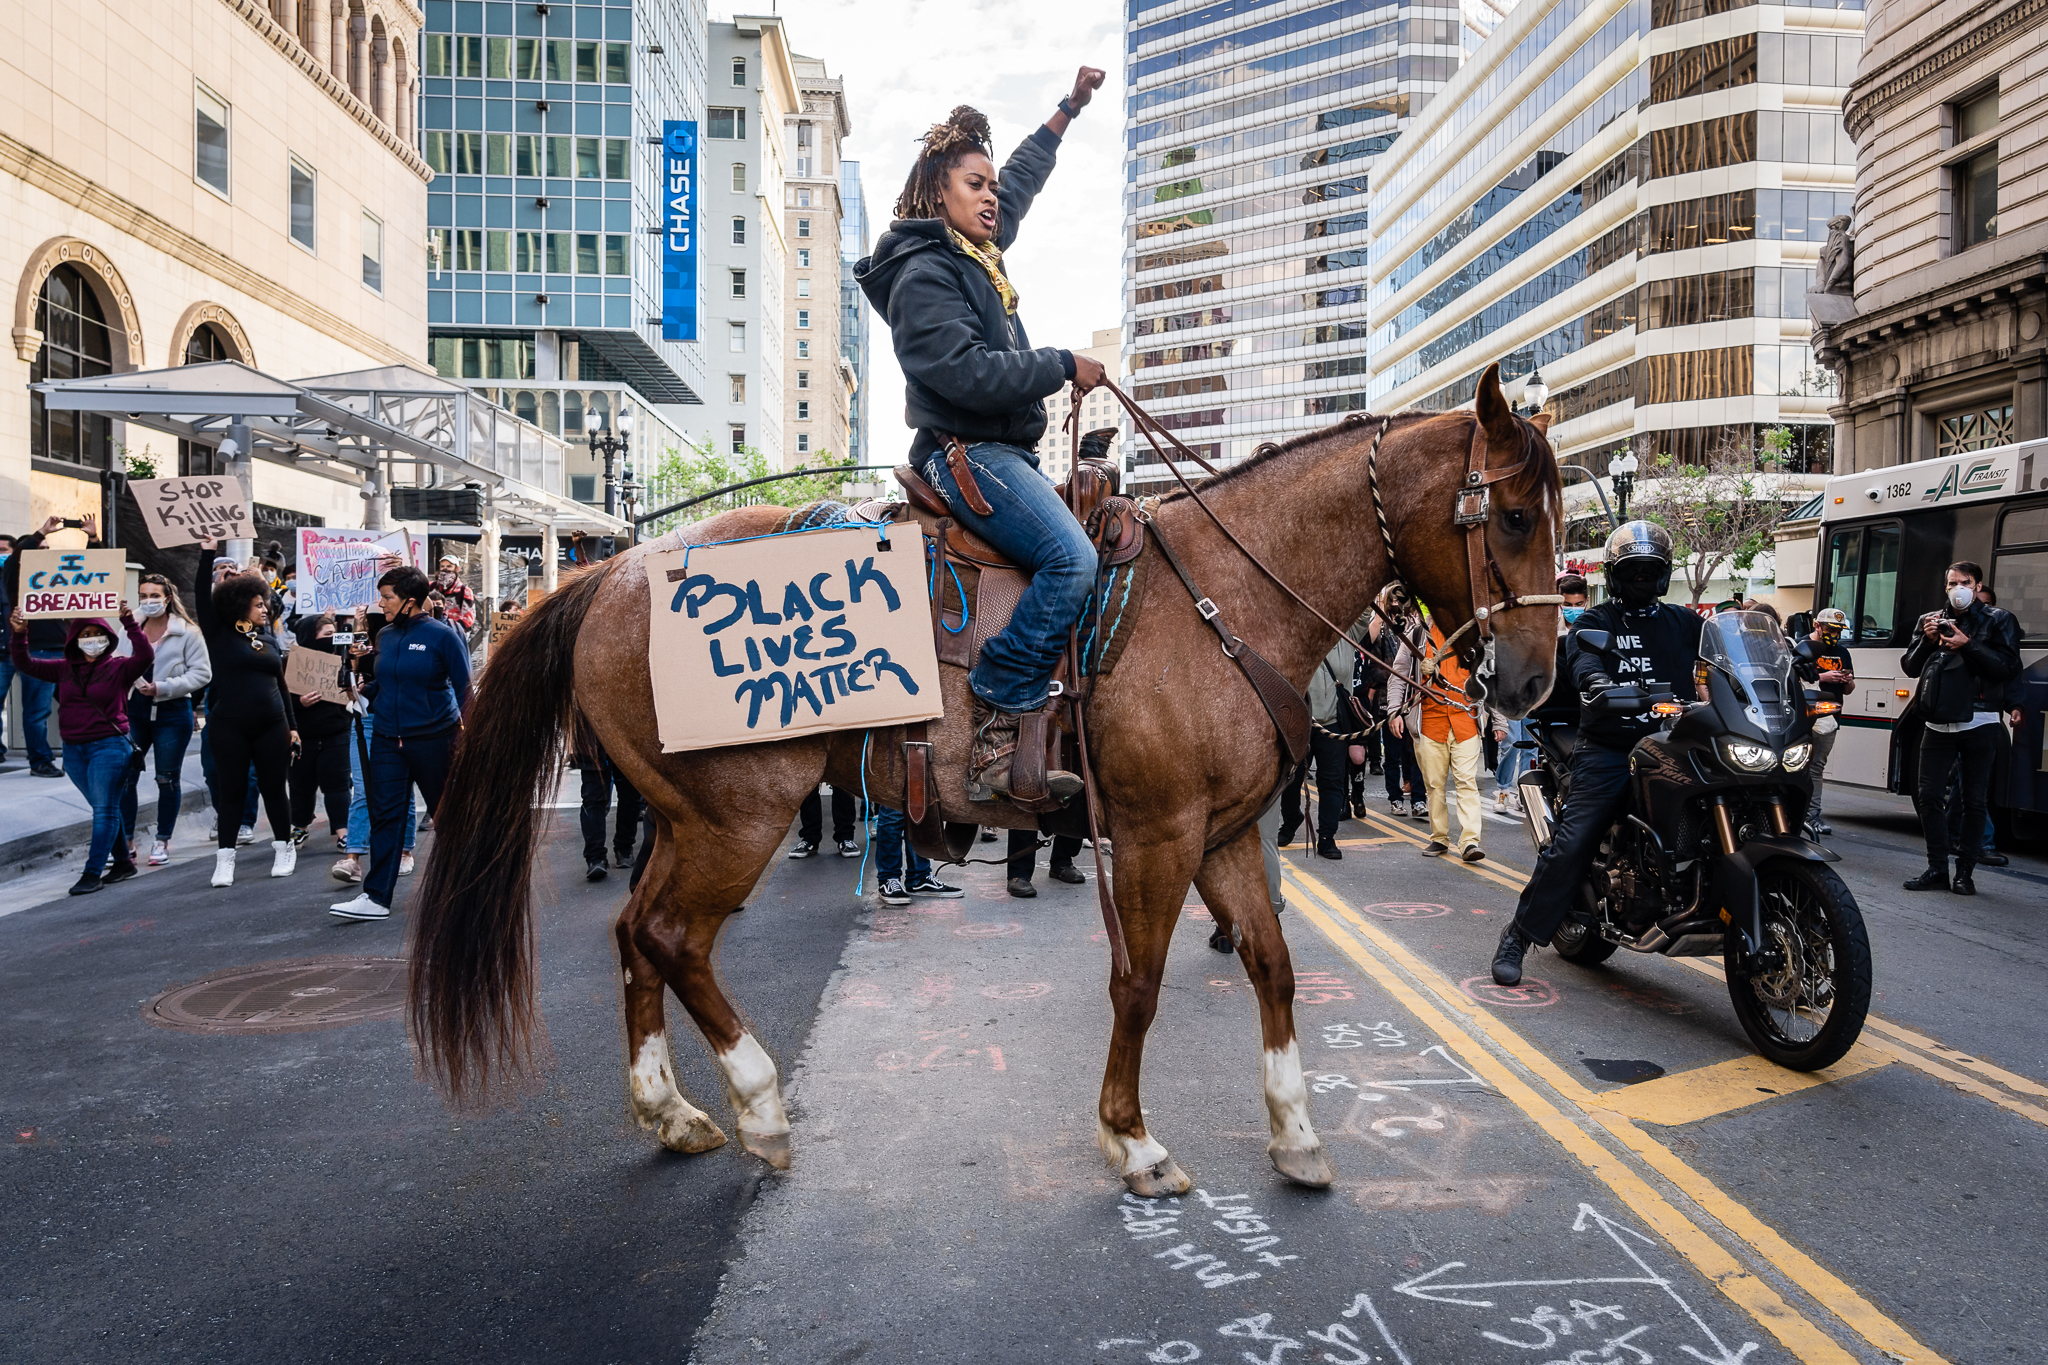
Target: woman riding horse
[(973, 389)]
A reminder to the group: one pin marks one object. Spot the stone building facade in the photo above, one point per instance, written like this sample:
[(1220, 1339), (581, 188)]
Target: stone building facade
[(1937, 322), (818, 390)]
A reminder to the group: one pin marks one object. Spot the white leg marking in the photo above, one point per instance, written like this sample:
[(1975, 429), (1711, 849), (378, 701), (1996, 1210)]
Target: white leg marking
[(752, 1088), (657, 1101), (1128, 1154), (1287, 1099)]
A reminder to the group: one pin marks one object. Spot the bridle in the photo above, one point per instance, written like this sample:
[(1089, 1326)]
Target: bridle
[(1471, 511)]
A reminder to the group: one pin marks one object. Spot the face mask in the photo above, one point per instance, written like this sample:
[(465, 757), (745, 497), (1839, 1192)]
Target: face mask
[(94, 646), (1960, 597), (150, 606), (1572, 615)]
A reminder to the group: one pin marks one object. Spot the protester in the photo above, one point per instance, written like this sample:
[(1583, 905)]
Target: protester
[(902, 871), (1446, 739), (48, 642), (250, 722), (1023, 850), (92, 682), (601, 777), (417, 696), (1404, 778), (320, 767), (1965, 655), (456, 594), (2001, 764), (1329, 703), (354, 863), (1832, 674), (810, 824), (160, 710)]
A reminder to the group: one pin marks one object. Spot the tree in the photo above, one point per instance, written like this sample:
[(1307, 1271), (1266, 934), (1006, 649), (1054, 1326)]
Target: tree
[(1721, 511), (693, 470)]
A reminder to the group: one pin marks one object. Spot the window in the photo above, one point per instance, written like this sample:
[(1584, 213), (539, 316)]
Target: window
[(454, 55), (561, 253), (736, 337), (528, 255), (615, 253), (803, 289), (586, 253), (1974, 181), (588, 166), (739, 283), (302, 189), (2021, 569), (527, 56), (561, 156), (583, 487), (1863, 579), (803, 258), (498, 251), (739, 177), (76, 343), (738, 388), (586, 63), (618, 67), (726, 123), (618, 160), (561, 60), (803, 198), (210, 140), (803, 227), (803, 379), (1978, 428), (739, 73), (803, 350), (803, 442), (739, 232), (803, 136), (461, 248), (803, 410), (739, 440), (803, 317), (373, 251), (506, 153)]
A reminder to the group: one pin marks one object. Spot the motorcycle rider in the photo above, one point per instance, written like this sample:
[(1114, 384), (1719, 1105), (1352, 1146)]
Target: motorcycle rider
[(1655, 646)]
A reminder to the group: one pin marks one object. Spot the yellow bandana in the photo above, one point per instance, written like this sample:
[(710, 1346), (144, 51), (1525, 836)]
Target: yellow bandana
[(989, 257)]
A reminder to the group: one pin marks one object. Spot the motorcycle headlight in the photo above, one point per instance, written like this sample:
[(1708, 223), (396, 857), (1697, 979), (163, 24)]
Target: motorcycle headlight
[(1748, 758), (1796, 757)]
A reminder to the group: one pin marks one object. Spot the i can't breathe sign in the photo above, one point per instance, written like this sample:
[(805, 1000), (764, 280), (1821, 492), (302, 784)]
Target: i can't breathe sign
[(759, 640)]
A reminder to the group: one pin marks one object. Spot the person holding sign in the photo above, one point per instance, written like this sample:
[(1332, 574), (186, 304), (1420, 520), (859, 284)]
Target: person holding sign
[(320, 764), (92, 685), (249, 713), (160, 708), (973, 389), (46, 642)]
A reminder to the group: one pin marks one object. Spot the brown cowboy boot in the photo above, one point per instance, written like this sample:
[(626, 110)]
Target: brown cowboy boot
[(989, 761)]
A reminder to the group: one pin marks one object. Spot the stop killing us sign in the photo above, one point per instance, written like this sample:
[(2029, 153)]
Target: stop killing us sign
[(61, 583), (758, 640)]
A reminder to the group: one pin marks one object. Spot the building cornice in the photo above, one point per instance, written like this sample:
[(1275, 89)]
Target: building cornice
[(32, 167), (2001, 285), (257, 15), (1869, 98)]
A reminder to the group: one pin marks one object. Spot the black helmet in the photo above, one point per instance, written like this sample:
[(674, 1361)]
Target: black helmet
[(1638, 563)]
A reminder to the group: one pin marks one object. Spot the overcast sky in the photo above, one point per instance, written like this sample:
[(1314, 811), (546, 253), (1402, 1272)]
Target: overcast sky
[(906, 63)]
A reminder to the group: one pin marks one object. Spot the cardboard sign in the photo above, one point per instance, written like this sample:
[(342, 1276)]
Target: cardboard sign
[(339, 567), (314, 670), (61, 583), (180, 511), (758, 640)]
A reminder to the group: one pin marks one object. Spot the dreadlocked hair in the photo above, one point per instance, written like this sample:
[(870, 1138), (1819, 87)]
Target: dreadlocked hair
[(946, 145)]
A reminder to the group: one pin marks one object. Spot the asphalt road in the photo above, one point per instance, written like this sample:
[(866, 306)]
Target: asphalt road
[(1593, 1169)]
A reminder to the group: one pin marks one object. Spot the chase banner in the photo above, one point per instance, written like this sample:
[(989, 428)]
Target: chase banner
[(679, 230)]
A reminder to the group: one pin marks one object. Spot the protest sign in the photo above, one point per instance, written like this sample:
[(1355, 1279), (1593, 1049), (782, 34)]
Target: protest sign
[(339, 567), (181, 511), (60, 583), (314, 670), (763, 639)]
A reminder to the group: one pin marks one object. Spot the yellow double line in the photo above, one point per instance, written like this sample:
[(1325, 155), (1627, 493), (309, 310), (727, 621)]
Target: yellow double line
[(1440, 1005)]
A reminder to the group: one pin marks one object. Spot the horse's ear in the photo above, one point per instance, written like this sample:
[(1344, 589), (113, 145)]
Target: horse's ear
[(1494, 413), (1541, 421)]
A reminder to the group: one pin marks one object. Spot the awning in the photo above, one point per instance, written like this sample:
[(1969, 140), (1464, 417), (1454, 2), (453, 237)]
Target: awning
[(348, 427)]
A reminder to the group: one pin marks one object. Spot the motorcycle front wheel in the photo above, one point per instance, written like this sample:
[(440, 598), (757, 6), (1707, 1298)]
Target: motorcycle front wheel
[(1577, 940), (1803, 998)]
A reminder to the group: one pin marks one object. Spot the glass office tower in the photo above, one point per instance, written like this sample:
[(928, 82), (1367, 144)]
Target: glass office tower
[(1250, 133), (854, 313)]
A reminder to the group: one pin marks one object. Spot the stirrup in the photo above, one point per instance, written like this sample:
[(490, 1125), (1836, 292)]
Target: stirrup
[(998, 737)]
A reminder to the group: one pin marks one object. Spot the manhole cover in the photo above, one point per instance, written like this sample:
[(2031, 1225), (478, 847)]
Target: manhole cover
[(285, 997)]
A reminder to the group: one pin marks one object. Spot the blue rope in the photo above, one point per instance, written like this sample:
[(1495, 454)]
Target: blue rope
[(867, 819), (778, 535)]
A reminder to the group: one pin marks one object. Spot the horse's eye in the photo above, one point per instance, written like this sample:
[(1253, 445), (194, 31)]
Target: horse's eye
[(1516, 519)]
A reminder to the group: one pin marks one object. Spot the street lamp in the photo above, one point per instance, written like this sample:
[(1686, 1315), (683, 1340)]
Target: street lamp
[(1534, 392), (1622, 469), (631, 493), (604, 441)]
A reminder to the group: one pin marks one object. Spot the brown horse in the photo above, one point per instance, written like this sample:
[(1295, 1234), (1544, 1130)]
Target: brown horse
[(1182, 754)]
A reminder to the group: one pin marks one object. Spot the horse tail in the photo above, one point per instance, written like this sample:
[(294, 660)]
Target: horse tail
[(471, 1010)]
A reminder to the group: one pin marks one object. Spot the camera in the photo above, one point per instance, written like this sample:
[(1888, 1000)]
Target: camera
[(344, 638), (75, 523)]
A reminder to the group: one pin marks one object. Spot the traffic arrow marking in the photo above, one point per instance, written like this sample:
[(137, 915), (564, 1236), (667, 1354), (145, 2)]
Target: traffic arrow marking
[(1420, 1288)]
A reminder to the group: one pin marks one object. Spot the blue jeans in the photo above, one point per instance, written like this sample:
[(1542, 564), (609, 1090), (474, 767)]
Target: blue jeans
[(1513, 762), (1599, 787), (96, 767), (359, 804), (164, 728), (1036, 531), (890, 847), (396, 766), (36, 696)]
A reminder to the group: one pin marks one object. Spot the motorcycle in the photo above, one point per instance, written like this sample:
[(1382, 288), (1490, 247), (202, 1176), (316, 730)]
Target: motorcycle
[(1704, 858)]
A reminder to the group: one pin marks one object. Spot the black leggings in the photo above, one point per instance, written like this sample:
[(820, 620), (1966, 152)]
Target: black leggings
[(322, 770), (267, 744)]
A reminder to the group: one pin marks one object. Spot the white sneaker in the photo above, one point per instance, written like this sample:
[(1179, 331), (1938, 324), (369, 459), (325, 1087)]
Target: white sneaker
[(405, 864), (224, 867), (245, 835), (284, 857), (362, 907), (159, 852), (1500, 800)]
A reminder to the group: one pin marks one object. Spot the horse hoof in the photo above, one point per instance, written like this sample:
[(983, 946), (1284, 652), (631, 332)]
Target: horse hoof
[(1163, 1177), (1304, 1166), (691, 1134), (772, 1148)]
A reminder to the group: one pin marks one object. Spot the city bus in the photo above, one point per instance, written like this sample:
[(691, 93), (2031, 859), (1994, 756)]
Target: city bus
[(1886, 536)]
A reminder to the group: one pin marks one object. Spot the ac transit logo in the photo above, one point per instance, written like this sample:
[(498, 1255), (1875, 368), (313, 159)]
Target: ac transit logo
[(1962, 480)]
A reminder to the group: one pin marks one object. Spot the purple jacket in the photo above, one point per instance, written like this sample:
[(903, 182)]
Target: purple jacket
[(92, 694)]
